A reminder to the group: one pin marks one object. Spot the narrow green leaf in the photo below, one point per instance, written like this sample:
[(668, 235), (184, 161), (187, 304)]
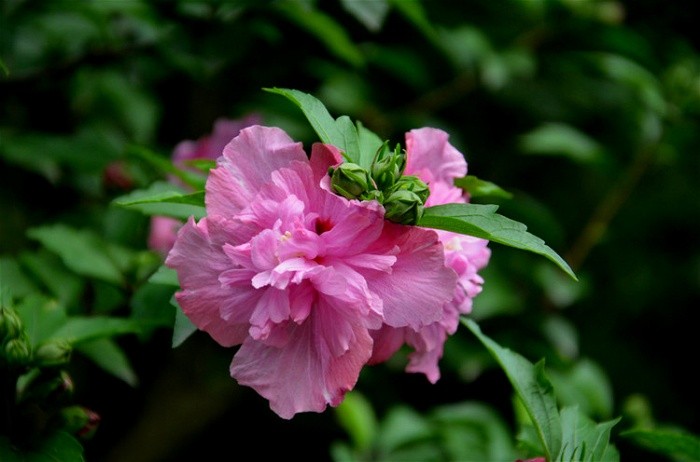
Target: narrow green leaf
[(165, 199), (583, 439), (82, 329), (165, 166), (556, 139), (48, 269), (41, 317), (357, 417), (370, 14), (166, 276), (477, 187), (482, 221), (154, 195), (357, 143), (13, 279), (672, 442), (325, 29), (473, 431), (109, 356), (82, 251), (316, 113), (532, 387), (401, 427), (183, 326), (369, 145), (351, 139), (56, 447)]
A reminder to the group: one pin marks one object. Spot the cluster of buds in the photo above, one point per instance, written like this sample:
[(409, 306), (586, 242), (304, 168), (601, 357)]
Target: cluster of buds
[(16, 350), (40, 402), (403, 196)]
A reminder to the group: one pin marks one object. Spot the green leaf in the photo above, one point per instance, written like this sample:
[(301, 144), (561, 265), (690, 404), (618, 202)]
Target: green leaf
[(166, 167), (316, 113), (183, 326), (82, 251), (357, 143), (672, 442), (473, 431), (351, 139), (57, 447), (481, 188), (109, 356), (586, 385), (370, 13), (13, 280), (79, 329), (165, 276), (582, 439), (532, 387), (557, 139), (369, 145), (41, 317), (357, 417), (48, 268), (482, 221), (325, 29), (402, 426), (164, 199)]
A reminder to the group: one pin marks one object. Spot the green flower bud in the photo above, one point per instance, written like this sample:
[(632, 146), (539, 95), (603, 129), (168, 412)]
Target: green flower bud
[(48, 388), (404, 207), (10, 324), (413, 184), (388, 166), (350, 180), (52, 353), (79, 421), (372, 195), (17, 351)]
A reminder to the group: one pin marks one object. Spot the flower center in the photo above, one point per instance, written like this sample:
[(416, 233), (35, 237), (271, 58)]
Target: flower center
[(323, 225)]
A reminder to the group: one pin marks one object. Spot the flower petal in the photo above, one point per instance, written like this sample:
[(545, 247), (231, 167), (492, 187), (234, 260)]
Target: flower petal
[(419, 283), (431, 157), (247, 164), (199, 259), (316, 367)]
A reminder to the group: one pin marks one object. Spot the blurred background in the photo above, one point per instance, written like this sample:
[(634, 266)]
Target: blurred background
[(585, 111)]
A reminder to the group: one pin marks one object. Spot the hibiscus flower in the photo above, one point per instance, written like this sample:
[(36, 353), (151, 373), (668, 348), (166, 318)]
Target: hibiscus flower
[(299, 276), (163, 230)]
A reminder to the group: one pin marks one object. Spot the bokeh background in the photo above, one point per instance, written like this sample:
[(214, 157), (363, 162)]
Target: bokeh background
[(585, 111)]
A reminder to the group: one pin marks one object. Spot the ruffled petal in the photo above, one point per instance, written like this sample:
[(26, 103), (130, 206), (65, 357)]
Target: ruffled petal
[(316, 367), (199, 259), (431, 157), (419, 283), (247, 163)]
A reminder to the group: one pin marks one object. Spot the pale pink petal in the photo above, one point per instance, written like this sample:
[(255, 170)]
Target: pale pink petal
[(199, 259), (324, 156), (431, 157), (162, 234), (247, 163), (387, 341), (319, 364), (428, 347), (419, 283)]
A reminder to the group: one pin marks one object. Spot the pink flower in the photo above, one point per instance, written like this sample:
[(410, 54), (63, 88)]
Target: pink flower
[(163, 230), (211, 146), (299, 276), (431, 158)]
